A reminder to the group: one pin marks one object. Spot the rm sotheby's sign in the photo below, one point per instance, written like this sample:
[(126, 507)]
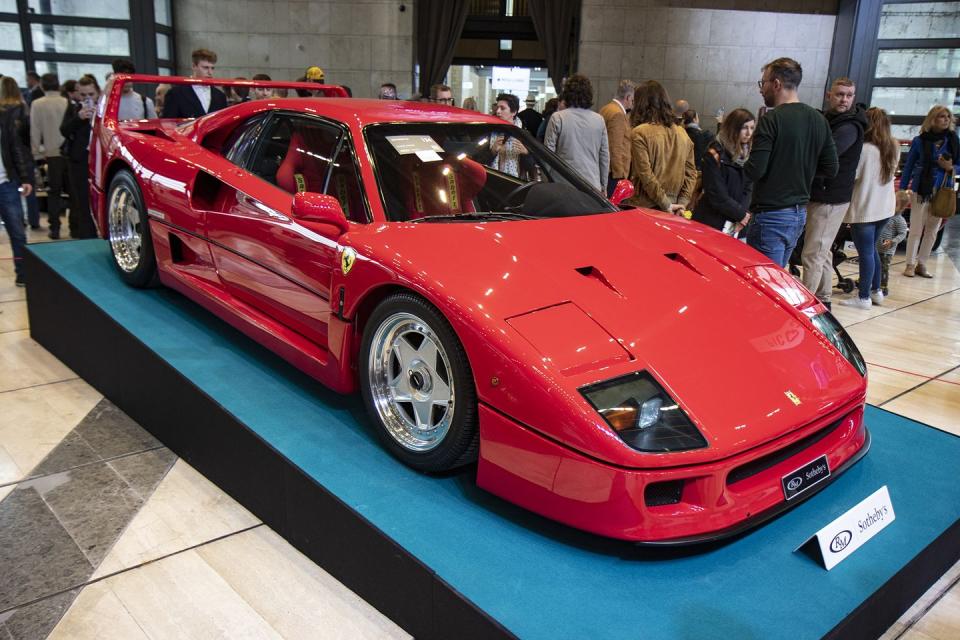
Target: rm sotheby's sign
[(850, 531)]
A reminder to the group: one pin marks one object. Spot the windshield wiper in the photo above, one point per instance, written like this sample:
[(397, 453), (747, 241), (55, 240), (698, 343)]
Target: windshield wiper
[(477, 215)]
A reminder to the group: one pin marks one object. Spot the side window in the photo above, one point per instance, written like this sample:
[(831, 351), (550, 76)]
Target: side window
[(295, 153), (345, 185), (238, 144)]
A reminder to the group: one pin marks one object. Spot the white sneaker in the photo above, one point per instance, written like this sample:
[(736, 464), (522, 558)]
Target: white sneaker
[(876, 297), (858, 302)]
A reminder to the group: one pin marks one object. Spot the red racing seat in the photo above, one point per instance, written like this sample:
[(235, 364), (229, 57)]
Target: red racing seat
[(303, 168), (442, 188)]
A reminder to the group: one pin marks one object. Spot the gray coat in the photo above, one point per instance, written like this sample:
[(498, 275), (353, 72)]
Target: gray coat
[(579, 136)]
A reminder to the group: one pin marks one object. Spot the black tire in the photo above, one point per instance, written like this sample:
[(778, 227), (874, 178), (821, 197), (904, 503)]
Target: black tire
[(846, 285), (405, 317), (130, 241)]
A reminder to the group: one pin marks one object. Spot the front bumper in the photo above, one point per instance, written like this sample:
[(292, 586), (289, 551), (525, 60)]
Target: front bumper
[(661, 506)]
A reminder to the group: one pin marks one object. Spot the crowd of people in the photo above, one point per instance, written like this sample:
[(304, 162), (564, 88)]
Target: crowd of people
[(785, 182), (791, 177)]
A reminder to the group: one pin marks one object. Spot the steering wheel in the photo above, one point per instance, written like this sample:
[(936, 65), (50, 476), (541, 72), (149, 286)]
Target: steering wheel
[(510, 197)]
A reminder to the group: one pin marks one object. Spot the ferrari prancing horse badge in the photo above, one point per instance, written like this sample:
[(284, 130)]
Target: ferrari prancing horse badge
[(347, 258)]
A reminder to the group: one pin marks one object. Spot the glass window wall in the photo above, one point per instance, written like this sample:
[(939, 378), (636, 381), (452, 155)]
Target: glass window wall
[(88, 40), (10, 37), (905, 132), (922, 20), (912, 101), (74, 37), (111, 9), (163, 47), (917, 63), (73, 70), (162, 13), (14, 68)]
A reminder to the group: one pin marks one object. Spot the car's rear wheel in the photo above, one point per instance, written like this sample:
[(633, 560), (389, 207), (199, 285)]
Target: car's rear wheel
[(129, 232), (417, 385)]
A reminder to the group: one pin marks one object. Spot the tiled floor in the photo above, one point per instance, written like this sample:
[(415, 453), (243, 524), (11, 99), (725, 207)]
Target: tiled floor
[(104, 533)]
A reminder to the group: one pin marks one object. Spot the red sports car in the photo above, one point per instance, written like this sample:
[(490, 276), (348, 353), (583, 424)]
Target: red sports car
[(624, 371)]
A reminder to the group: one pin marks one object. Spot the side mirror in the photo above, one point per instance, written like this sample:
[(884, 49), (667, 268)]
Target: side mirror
[(318, 207), (622, 191)]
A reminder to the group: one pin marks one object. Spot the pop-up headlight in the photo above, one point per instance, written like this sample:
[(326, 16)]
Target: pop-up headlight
[(642, 413), (791, 291), (838, 337)]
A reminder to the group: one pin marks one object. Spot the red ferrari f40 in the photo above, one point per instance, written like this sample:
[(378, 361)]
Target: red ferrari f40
[(624, 371)]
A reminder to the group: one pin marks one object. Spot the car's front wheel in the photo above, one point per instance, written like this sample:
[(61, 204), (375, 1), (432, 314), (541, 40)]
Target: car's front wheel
[(129, 232), (417, 385)]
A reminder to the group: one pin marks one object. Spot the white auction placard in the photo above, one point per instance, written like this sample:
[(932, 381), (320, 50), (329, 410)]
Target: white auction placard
[(850, 531)]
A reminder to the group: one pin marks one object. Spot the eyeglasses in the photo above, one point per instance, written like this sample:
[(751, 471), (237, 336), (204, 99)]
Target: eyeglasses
[(442, 100)]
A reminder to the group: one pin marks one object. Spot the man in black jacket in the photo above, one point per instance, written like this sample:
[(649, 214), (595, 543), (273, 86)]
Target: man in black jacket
[(15, 177), (34, 90), (830, 197), (75, 129), (193, 101), (701, 137)]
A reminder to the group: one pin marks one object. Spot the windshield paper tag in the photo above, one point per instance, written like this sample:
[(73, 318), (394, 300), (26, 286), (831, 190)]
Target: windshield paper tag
[(409, 145), (429, 156)]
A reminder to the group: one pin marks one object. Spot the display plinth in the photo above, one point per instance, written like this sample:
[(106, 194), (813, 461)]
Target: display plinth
[(438, 555)]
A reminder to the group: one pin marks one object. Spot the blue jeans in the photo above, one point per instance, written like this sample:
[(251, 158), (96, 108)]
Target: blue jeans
[(775, 233), (12, 212), (865, 239), (33, 210)]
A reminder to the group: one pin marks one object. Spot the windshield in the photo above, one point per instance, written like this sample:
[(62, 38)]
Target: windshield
[(451, 172)]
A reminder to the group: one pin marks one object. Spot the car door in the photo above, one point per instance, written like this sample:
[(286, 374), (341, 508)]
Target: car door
[(265, 257)]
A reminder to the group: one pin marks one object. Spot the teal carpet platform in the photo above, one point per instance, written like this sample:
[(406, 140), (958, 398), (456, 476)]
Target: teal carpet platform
[(438, 555)]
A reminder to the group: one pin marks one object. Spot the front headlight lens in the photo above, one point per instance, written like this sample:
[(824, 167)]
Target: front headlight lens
[(838, 337), (643, 414)]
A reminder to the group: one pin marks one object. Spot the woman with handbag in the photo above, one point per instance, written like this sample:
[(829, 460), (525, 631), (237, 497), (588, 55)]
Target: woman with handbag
[(934, 156), (872, 203), (725, 199)]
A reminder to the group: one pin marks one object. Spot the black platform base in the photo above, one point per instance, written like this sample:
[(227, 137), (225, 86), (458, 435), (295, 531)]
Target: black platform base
[(73, 325), (317, 523)]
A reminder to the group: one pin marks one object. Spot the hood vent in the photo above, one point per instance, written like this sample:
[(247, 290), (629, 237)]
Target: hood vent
[(679, 258), (595, 274)]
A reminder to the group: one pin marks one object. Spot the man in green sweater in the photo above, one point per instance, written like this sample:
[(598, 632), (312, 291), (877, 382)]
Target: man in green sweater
[(792, 145)]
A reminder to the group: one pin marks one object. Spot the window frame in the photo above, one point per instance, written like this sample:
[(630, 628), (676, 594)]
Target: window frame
[(344, 137)]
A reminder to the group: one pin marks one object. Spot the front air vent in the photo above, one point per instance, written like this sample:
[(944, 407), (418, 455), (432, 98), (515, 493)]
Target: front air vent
[(156, 133), (595, 274), (659, 494), (681, 259), (760, 465)]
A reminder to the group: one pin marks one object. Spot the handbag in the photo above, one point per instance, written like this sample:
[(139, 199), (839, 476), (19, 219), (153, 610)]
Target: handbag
[(943, 204)]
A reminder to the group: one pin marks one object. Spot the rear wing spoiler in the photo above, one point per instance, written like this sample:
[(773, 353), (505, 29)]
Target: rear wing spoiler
[(110, 104)]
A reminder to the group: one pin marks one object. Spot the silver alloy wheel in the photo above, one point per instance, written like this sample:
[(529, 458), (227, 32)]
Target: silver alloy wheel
[(411, 382), (126, 233)]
